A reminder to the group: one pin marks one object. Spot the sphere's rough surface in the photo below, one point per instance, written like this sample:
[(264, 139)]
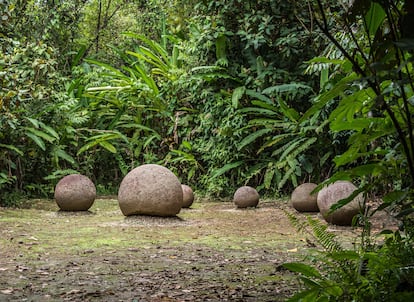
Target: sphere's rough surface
[(246, 197), (302, 199), (75, 192), (150, 190), (332, 194), (188, 196)]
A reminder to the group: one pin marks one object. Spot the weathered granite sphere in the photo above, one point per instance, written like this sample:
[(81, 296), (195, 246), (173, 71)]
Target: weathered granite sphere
[(302, 199), (332, 194), (245, 197), (75, 192), (188, 196), (150, 190)]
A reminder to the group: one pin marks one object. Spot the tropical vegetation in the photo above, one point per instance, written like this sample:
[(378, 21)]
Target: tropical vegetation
[(224, 93)]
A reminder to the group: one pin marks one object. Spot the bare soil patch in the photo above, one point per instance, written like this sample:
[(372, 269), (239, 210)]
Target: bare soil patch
[(212, 252)]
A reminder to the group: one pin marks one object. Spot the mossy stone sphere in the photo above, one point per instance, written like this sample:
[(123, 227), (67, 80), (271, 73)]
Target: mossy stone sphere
[(75, 192), (246, 197), (302, 199), (331, 195), (150, 190), (188, 196)]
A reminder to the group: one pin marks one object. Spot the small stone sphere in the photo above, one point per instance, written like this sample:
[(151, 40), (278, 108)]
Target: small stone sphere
[(188, 196), (150, 190), (75, 192), (302, 199), (331, 195), (246, 197)]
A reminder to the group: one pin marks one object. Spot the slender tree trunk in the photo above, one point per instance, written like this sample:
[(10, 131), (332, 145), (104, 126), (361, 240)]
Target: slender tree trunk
[(98, 27)]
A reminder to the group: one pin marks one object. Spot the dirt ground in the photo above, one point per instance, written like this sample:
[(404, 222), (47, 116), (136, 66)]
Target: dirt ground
[(211, 252)]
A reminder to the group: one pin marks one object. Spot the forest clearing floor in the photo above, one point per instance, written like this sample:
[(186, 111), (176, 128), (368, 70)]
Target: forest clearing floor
[(211, 252)]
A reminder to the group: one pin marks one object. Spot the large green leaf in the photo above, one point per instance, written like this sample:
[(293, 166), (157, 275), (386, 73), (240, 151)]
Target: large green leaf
[(357, 124), (226, 168), (41, 134), (50, 130), (266, 105), (64, 155), (108, 146), (331, 94), (13, 148), (107, 67), (303, 269), (252, 137), (374, 17), (280, 138), (287, 88), (102, 140), (256, 95), (153, 45), (37, 140), (256, 110)]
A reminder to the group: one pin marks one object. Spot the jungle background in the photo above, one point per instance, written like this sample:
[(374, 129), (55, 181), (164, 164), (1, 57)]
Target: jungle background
[(224, 93)]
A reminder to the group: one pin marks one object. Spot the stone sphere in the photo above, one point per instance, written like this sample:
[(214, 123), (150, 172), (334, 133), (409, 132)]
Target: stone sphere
[(302, 199), (246, 197), (150, 190), (75, 192), (332, 194), (188, 196)]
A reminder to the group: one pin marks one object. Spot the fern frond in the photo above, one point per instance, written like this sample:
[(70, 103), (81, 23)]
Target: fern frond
[(295, 222), (302, 148), (326, 239), (286, 88), (289, 173), (123, 166), (319, 231)]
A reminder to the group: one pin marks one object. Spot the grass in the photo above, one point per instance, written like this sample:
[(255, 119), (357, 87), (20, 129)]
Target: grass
[(210, 252)]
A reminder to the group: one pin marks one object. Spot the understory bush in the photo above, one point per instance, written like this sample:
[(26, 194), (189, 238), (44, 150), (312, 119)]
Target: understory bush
[(370, 89), (380, 270)]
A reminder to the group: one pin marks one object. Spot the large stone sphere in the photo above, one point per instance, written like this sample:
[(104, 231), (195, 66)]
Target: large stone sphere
[(188, 196), (75, 192), (150, 190), (302, 199), (246, 197), (331, 195)]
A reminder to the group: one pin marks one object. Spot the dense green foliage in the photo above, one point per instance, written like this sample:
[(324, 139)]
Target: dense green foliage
[(372, 89), (370, 272), (224, 93)]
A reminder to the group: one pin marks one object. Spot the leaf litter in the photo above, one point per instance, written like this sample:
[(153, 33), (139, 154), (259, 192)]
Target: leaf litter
[(212, 252)]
